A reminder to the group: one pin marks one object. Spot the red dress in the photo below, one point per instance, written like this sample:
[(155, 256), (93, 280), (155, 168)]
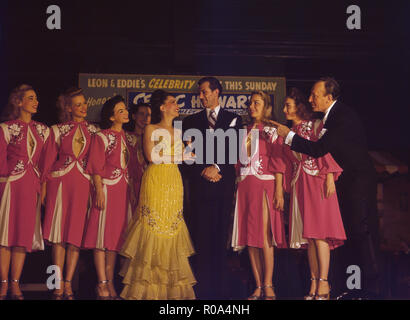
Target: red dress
[(312, 215), (68, 186), (108, 158), (137, 162), (20, 215), (255, 180)]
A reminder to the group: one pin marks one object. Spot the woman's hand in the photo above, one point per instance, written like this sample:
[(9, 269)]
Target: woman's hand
[(330, 185), (278, 201), (100, 200)]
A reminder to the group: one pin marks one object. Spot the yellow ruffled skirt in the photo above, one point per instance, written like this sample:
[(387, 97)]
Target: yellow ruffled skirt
[(158, 243)]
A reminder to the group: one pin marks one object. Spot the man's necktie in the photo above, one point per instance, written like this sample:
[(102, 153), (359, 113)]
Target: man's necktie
[(212, 119)]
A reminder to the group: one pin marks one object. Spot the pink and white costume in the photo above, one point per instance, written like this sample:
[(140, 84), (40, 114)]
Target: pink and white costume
[(108, 158), (20, 215), (68, 185), (312, 215), (256, 186)]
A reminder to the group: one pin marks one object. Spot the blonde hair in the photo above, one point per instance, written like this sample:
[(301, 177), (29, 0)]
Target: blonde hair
[(65, 101), (12, 110), (267, 106)]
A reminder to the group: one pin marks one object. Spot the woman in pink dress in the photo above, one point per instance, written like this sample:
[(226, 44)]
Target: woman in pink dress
[(67, 184), (111, 209), (315, 219), (21, 144), (141, 117), (258, 222)]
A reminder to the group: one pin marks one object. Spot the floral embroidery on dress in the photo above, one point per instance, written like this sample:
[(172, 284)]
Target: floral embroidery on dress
[(15, 133), (259, 166), (310, 164), (19, 167), (65, 129), (41, 130), (67, 161), (161, 227), (83, 163), (271, 133), (305, 129), (112, 142), (115, 174), (131, 139), (91, 128)]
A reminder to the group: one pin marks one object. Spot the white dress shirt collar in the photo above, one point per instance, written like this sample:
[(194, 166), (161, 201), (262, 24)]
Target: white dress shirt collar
[(208, 111), (327, 112)]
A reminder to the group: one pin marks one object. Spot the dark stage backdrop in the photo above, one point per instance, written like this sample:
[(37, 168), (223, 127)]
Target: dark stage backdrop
[(300, 41)]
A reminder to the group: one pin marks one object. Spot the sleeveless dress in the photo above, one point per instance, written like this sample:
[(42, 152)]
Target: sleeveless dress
[(158, 243)]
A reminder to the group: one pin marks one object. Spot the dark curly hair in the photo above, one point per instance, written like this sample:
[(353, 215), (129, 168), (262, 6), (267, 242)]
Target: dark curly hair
[(158, 98), (303, 108), (107, 111)]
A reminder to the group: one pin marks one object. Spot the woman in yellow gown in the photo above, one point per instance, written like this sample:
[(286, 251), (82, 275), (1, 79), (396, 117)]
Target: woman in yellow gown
[(158, 243)]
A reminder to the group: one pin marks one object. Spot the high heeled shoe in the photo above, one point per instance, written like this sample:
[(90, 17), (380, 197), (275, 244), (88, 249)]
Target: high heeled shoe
[(311, 296), (69, 296), (58, 296), (4, 296), (116, 297), (16, 296), (100, 297), (324, 296), (255, 297), (265, 297)]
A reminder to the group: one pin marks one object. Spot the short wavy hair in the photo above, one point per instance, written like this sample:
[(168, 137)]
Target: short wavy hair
[(12, 110), (267, 105), (213, 83), (65, 101)]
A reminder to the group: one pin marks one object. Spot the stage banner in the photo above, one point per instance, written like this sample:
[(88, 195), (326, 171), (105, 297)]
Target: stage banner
[(136, 88)]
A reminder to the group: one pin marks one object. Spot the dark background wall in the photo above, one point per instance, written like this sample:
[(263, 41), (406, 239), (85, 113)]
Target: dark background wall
[(300, 40)]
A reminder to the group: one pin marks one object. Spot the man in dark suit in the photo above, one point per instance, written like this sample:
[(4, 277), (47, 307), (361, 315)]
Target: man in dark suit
[(211, 191), (344, 138)]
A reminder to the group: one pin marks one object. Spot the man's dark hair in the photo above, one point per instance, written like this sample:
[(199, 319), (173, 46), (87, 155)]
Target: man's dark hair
[(331, 86), (213, 83)]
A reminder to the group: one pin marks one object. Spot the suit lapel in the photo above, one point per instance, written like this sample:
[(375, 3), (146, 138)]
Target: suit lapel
[(219, 121), (331, 115), (203, 120)]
